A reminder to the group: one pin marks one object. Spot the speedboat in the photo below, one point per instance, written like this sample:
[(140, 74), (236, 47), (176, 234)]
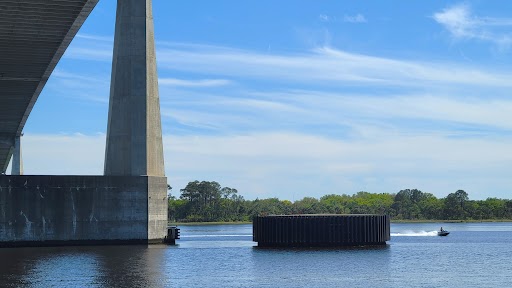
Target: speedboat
[(442, 233)]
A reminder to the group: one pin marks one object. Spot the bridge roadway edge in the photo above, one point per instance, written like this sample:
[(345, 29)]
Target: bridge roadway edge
[(82, 210), (70, 35)]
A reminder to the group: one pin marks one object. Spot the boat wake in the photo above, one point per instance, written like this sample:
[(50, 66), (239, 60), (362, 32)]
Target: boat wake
[(215, 235), (415, 233)]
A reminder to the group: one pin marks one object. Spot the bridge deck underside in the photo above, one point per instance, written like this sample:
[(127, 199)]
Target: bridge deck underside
[(33, 37)]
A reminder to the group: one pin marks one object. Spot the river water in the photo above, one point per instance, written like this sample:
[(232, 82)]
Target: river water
[(473, 255)]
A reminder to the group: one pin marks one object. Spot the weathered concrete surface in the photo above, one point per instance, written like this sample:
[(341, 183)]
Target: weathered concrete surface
[(134, 134), (60, 210), (157, 208)]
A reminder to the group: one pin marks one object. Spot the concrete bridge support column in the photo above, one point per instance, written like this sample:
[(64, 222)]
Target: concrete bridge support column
[(134, 135), (17, 161)]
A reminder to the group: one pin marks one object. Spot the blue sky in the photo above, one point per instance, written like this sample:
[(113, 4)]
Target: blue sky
[(302, 98)]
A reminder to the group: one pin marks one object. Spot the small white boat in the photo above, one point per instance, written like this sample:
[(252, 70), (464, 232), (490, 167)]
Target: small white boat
[(442, 232)]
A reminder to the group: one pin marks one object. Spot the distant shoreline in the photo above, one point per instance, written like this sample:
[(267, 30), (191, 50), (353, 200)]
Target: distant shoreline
[(392, 221)]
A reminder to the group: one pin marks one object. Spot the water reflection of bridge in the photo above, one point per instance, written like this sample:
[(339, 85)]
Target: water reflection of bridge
[(123, 266)]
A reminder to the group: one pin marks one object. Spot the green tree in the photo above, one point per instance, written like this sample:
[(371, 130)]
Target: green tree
[(308, 205), (475, 210), (263, 207), (336, 204), (203, 198), (406, 204), (178, 209), (430, 207), (372, 203), (454, 205), (494, 208)]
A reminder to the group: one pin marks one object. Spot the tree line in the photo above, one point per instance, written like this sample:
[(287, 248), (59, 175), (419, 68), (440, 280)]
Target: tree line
[(208, 201)]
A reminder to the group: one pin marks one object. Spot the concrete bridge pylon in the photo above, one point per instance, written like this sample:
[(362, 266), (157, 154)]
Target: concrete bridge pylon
[(134, 134)]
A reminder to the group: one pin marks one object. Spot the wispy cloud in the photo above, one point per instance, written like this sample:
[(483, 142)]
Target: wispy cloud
[(91, 47), (95, 37), (322, 65), (194, 83), (82, 87), (460, 21), (94, 52), (325, 65), (355, 116), (358, 18), (63, 74), (324, 18)]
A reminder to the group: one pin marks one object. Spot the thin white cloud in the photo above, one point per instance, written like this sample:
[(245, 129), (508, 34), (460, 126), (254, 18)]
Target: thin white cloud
[(63, 74), (460, 21), (202, 120), (78, 86), (109, 39), (495, 113), (93, 52), (323, 65), (357, 114), (91, 47), (358, 18), (194, 83), (324, 18)]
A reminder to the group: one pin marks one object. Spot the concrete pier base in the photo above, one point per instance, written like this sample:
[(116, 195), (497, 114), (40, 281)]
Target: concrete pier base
[(82, 210)]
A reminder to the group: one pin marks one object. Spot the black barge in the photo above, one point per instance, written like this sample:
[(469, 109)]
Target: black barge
[(321, 230)]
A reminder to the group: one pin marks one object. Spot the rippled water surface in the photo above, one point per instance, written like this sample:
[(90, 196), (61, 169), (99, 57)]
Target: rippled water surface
[(473, 255)]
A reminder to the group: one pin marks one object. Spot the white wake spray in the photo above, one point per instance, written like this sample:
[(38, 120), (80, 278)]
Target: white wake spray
[(415, 233), (215, 235)]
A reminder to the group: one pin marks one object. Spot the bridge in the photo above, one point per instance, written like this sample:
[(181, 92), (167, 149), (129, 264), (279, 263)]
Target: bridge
[(34, 34), (127, 204)]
